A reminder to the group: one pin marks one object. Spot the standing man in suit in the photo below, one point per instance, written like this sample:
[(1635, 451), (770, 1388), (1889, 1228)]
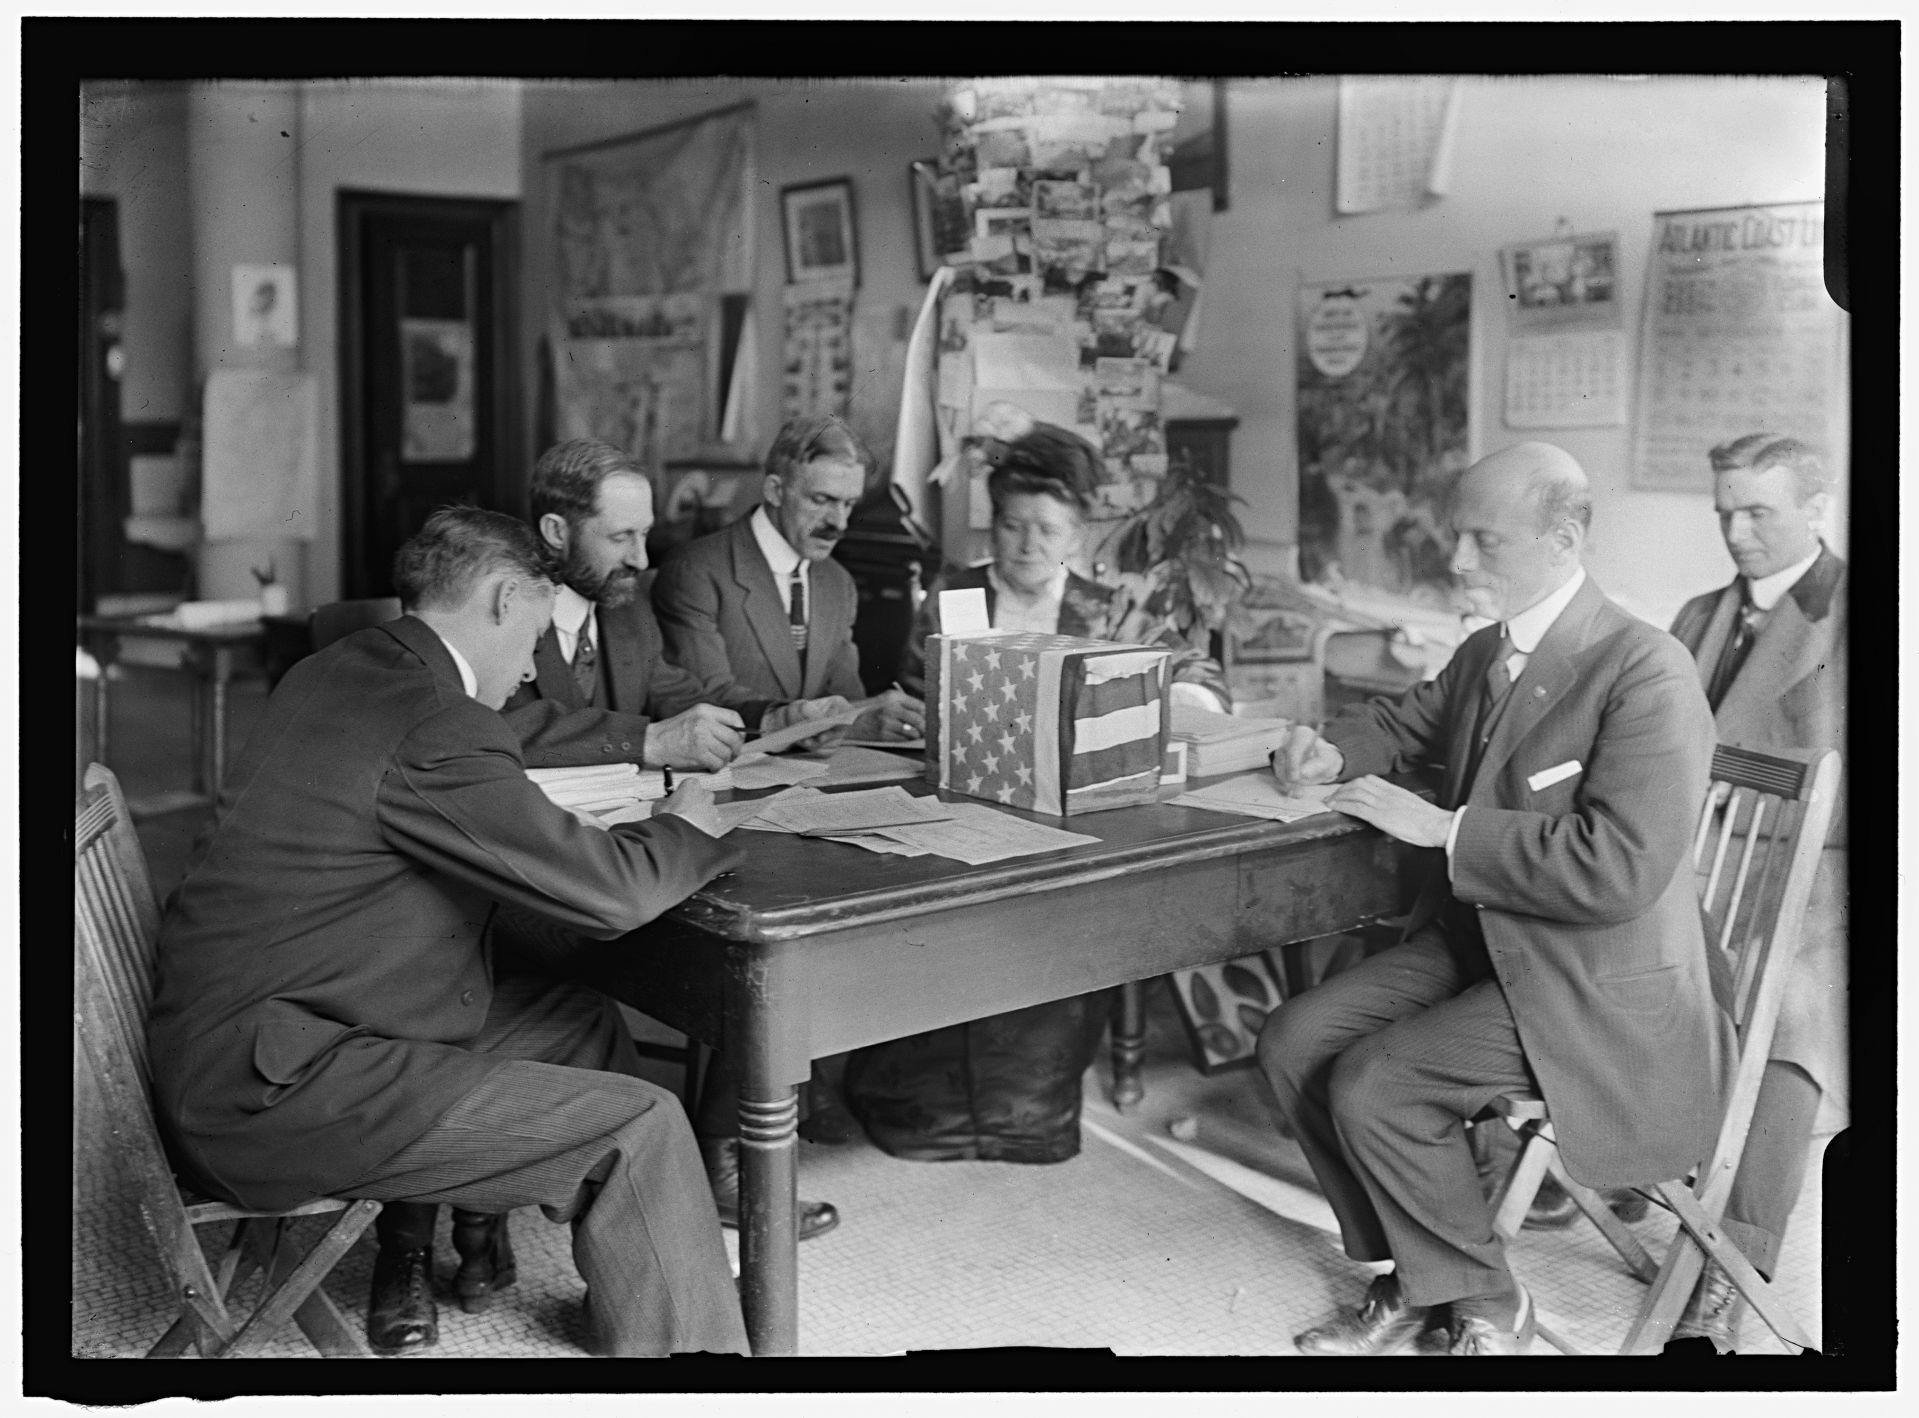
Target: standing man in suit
[(1556, 946), (1771, 649), (326, 1017), (601, 692), (761, 606)]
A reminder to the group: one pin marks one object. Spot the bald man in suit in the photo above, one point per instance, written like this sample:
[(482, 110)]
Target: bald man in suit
[(1555, 946), (1771, 650)]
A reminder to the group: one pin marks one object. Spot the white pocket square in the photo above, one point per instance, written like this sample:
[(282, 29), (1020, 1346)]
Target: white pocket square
[(1546, 777)]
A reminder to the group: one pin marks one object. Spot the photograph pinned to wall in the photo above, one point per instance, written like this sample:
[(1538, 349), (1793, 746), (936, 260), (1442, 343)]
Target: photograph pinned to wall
[(1566, 358), (1066, 200), (436, 373), (1738, 334), (1224, 1007), (942, 230), (817, 367), (1561, 281), (1066, 252), (822, 240), (1383, 373), (265, 306)]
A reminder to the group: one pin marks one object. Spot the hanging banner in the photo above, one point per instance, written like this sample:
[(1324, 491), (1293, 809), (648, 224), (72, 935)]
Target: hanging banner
[(1738, 336)]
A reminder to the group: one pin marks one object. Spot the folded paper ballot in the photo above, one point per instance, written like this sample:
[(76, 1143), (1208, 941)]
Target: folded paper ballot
[(1257, 795), (796, 733)]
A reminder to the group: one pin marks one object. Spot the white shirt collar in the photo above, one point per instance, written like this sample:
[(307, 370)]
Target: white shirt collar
[(1767, 591), (571, 610), (1529, 627), (778, 552), (469, 681)]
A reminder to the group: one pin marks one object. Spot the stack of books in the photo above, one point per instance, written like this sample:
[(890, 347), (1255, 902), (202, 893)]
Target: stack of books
[(1225, 743)]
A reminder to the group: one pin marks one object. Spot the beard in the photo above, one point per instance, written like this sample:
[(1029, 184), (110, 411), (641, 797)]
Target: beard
[(616, 588)]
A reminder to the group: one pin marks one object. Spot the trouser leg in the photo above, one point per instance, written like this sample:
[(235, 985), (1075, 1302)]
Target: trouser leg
[(406, 1225), (718, 1109), (1304, 1038), (1773, 1167), (1400, 1100)]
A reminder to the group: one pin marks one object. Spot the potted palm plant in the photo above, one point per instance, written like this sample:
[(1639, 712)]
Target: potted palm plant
[(1175, 564)]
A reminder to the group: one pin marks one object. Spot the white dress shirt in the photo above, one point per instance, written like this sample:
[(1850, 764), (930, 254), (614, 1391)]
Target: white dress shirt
[(469, 681), (572, 615), (1525, 631), (781, 559), (1768, 591), (1014, 609)]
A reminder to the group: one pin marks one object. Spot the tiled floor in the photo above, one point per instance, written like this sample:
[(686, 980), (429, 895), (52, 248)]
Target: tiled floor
[(1146, 1243)]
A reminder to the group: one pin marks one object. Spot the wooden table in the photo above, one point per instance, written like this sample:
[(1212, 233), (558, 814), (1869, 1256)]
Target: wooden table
[(815, 947), (214, 655)]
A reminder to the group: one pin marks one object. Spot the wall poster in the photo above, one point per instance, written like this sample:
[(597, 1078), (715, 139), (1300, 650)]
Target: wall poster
[(1383, 371), (1738, 336), (649, 232), (1566, 355)]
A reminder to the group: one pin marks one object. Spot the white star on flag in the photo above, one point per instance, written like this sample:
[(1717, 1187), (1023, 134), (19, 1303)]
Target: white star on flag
[(974, 730), (972, 783), (992, 659), (976, 679), (1025, 775), (991, 760), (1027, 669), (1010, 690), (1008, 743), (1006, 795)]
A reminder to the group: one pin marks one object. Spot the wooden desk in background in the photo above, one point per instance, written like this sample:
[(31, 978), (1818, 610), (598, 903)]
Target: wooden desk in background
[(212, 656), (815, 947)]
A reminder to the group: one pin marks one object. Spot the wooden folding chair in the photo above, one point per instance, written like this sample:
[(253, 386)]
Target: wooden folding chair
[(116, 931), (1764, 820)]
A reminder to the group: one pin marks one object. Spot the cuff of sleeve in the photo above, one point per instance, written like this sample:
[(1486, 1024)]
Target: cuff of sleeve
[(1452, 836), (1199, 696)]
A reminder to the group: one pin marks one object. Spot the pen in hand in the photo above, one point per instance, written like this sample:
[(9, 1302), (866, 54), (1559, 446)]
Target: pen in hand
[(666, 777)]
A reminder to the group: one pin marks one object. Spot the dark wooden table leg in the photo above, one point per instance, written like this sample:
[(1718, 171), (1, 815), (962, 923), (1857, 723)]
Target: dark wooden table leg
[(1129, 1044), (769, 1231)]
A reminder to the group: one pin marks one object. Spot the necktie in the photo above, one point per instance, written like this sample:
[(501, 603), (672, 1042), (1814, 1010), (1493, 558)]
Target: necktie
[(586, 663), (1498, 685), (1734, 655), (796, 611)]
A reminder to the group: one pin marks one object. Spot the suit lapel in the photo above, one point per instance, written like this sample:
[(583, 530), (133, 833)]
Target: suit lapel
[(761, 599), (626, 667), (1551, 670), (1789, 648), (1719, 628), (552, 673), (1476, 659)]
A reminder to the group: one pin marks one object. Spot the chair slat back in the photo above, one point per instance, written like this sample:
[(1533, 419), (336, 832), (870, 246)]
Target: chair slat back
[(116, 921), (1765, 821)]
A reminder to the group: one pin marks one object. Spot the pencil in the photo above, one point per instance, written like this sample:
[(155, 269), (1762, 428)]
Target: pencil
[(666, 776)]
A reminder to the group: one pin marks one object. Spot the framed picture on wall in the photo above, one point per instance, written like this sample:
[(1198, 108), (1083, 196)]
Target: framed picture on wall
[(940, 223), (816, 219)]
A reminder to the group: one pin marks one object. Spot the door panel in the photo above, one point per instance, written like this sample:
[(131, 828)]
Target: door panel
[(427, 391)]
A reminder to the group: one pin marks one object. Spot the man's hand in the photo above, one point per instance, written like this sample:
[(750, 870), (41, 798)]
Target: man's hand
[(694, 802), (799, 711), (1393, 810), (1305, 760), (892, 715), (705, 738)]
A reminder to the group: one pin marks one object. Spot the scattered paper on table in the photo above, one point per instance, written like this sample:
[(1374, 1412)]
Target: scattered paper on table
[(819, 813), (978, 834), (795, 733), (903, 745), (854, 763), (734, 815), (768, 772), (886, 846), (1257, 795)]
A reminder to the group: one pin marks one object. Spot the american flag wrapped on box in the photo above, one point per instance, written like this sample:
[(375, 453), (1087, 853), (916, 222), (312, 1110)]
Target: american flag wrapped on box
[(1053, 723)]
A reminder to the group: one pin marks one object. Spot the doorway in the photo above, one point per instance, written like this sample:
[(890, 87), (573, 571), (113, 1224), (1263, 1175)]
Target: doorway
[(429, 388)]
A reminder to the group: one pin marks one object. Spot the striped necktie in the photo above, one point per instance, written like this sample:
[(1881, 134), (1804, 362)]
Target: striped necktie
[(586, 663), (796, 610), (1737, 648)]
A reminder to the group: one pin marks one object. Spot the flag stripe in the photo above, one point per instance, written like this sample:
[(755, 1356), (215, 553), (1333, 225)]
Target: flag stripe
[(1049, 750), (1120, 761), (1135, 721)]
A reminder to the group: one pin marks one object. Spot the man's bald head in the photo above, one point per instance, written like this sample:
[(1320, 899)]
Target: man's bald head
[(1521, 516)]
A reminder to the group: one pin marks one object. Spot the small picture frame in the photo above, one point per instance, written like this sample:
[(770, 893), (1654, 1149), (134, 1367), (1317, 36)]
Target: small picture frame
[(822, 240), (940, 223), (1223, 1008)]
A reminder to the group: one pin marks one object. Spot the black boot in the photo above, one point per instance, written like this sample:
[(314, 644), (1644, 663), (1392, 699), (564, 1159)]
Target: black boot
[(722, 1158), (486, 1258), (400, 1312)]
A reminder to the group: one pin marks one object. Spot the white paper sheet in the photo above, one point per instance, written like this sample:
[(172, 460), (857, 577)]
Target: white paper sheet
[(823, 813), (767, 772), (852, 764), (1257, 795), (795, 733), (978, 834)]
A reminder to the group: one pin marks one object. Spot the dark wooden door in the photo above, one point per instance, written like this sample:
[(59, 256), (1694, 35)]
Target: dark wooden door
[(98, 542), (428, 388)]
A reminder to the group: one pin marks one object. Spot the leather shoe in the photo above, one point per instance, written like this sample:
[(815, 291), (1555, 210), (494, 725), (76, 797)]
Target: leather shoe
[(486, 1258), (1478, 1327), (1625, 1203), (1713, 1311), (722, 1158), (401, 1313), (830, 1125), (1383, 1324), (1553, 1207)]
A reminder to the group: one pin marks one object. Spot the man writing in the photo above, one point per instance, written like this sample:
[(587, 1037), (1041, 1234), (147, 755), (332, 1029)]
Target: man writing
[(1771, 648), (325, 1016), (1557, 945)]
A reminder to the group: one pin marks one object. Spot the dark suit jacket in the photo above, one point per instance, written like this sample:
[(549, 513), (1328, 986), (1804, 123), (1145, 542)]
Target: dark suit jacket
[(638, 683), (723, 620), (1083, 610), (327, 958), (1592, 928), (1791, 694)]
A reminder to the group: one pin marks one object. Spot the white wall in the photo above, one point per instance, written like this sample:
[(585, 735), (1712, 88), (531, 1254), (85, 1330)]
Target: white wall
[(809, 129), (449, 139), (1602, 154)]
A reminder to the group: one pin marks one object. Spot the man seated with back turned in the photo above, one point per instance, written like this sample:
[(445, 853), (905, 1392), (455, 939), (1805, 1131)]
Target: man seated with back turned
[(326, 1018), (1771, 648), (1556, 946), (602, 692)]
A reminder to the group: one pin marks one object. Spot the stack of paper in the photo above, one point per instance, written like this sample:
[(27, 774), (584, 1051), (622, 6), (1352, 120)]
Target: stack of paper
[(1256, 795), (1223, 743), (605, 793)]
